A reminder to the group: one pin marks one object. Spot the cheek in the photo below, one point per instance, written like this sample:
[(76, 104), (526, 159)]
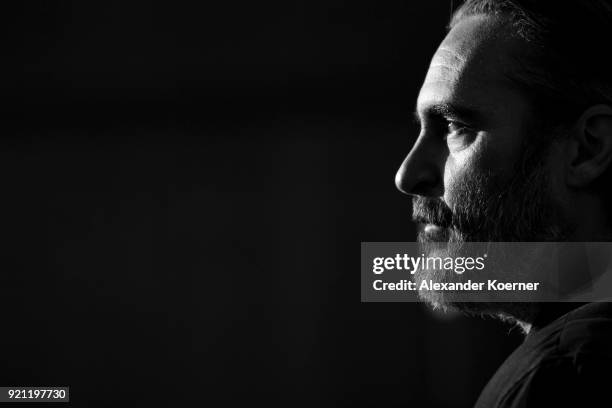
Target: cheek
[(481, 160), (457, 169)]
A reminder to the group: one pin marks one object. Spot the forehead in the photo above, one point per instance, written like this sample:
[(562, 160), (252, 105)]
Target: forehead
[(470, 68)]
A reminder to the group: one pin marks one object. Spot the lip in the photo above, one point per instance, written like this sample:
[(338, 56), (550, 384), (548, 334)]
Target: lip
[(431, 228), (433, 233)]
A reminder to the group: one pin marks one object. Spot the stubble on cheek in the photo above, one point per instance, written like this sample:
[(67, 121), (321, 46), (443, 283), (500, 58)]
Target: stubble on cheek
[(463, 168)]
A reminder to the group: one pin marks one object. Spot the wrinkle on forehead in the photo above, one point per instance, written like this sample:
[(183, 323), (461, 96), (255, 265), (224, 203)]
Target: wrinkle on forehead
[(470, 69), (443, 49), (447, 59), (477, 46)]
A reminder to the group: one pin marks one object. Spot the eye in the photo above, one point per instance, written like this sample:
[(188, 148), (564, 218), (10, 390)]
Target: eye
[(459, 135), (456, 127)]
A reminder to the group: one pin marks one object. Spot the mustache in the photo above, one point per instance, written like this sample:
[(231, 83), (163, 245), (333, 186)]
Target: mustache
[(427, 210)]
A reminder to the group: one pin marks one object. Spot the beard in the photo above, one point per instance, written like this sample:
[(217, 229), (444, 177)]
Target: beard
[(490, 207)]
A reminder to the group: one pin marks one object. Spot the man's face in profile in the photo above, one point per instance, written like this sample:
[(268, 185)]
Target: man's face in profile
[(476, 171)]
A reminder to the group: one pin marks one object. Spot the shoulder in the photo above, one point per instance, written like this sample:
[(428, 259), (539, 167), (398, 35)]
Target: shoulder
[(586, 333), (563, 381), (567, 363)]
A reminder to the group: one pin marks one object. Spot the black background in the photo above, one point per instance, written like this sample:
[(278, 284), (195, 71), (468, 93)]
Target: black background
[(185, 189)]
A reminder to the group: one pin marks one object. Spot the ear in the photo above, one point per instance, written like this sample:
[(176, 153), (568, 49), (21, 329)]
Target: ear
[(590, 151)]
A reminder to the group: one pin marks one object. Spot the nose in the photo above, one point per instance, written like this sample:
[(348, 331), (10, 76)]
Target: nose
[(421, 173)]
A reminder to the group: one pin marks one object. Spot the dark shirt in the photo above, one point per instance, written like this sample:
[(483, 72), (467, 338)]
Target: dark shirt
[(566, 363)]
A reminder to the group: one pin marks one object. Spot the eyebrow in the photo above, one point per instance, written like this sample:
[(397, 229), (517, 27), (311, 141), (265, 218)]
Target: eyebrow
[(448, 110)]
